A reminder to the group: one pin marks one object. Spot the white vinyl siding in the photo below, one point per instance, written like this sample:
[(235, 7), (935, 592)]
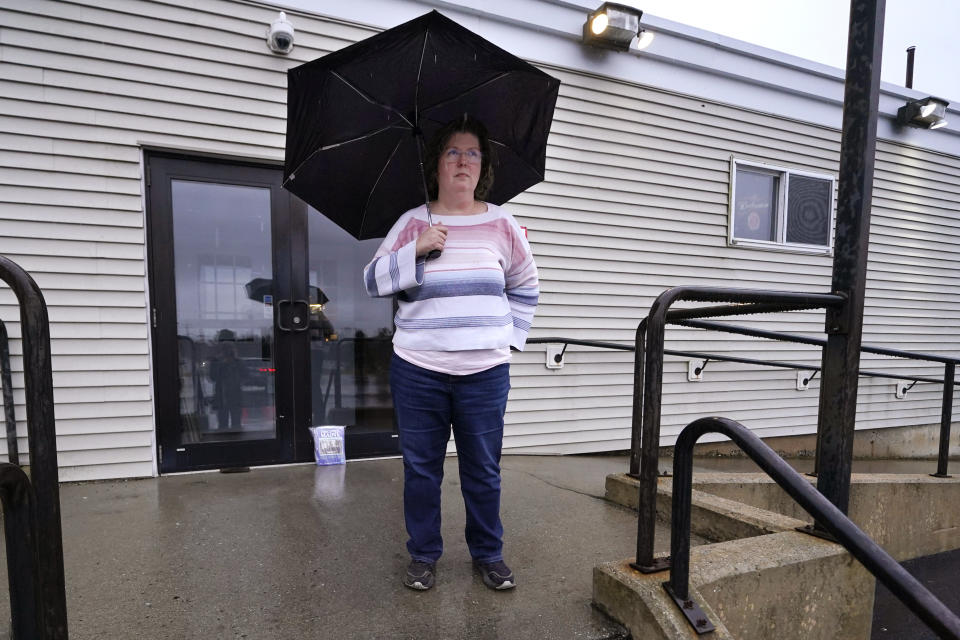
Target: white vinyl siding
[(635, 201), (82, 90)]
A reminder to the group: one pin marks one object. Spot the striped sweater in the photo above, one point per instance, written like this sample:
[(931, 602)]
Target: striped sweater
[(480, 293)]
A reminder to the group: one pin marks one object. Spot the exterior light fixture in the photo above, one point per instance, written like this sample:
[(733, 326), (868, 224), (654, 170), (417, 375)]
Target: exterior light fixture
[(280, 35), (645, 39), (613, 26), (928, 113)]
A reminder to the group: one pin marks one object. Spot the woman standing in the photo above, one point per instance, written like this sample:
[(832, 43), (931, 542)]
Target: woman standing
[(458, 316)]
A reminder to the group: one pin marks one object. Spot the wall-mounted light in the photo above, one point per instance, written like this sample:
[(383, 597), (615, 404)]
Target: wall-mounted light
[(644, 40), (928, 113), (613, 26)]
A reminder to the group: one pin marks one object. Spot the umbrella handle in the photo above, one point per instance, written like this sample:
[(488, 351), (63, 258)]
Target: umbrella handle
[(435, 253)]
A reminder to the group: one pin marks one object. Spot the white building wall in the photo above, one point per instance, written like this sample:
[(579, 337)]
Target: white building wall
[(635, 202), (83, 90)]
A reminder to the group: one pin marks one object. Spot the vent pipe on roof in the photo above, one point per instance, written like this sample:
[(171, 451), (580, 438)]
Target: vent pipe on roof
[(910, 51)]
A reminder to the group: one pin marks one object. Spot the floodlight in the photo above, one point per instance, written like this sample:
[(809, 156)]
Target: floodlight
[(613, 26), (928, 113)]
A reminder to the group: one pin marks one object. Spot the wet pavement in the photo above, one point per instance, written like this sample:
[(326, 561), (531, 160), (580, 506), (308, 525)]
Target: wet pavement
[(940, 574), (317, 552)]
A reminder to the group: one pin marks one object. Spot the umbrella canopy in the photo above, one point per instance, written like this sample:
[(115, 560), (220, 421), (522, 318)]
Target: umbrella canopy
[(357, 119), (259, 287)]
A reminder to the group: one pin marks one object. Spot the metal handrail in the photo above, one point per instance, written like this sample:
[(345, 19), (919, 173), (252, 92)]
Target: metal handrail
[(819, 342), (949, 370), (648, 377), (9, 411), (877, 561), (648, 374), (648, 380), (40, 534), (943, 456), (725, 358), (946, 411), (19, 527)]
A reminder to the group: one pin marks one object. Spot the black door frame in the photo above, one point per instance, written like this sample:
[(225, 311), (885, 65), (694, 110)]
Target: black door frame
[(298, 355), (289, 347)]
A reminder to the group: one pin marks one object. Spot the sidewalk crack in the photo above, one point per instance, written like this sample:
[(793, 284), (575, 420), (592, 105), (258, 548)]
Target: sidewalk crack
[(557, 486)]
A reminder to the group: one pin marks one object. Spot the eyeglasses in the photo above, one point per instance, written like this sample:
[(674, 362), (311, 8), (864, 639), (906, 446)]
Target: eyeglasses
[(472, 156)]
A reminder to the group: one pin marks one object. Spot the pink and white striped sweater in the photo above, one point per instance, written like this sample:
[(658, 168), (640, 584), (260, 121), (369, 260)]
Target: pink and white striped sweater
[(481, 293)]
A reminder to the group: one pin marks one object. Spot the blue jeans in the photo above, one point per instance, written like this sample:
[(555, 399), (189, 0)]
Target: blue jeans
[(427, 403)]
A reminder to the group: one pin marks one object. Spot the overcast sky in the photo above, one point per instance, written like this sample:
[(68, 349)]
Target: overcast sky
[(817, 30)]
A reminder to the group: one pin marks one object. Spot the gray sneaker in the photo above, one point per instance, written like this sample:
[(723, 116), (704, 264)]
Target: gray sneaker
[(419, 575), (496, 575)]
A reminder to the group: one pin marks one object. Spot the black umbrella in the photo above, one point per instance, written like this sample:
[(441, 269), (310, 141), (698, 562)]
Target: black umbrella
[(259, 287), (357, 119)]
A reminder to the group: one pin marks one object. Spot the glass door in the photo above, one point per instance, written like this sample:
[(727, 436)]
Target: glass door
[(261, 324), (350, 341), (223, 314)]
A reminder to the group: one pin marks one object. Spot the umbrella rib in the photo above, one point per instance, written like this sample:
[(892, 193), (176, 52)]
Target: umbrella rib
[(470, 90), (386, 164), (416, 98), (369, 98), (523, 160), (338, 144), (359, 138)]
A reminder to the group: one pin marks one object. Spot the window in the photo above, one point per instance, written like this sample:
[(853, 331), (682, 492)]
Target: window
[(776, 208)]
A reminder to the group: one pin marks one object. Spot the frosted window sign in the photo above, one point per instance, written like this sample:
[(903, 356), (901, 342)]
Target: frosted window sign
[(755, 206)]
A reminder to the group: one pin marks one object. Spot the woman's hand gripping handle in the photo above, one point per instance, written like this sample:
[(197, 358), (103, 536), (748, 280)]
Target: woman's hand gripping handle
[(431, 241)]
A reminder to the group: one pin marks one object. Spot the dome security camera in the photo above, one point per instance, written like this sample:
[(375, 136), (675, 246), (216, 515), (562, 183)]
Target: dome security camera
[(280, 35)]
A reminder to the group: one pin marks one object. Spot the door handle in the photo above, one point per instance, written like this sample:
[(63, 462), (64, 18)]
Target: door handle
[(281, 305), (299, 322)]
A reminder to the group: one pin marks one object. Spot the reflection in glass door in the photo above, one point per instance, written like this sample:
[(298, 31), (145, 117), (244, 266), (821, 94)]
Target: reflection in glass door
[(350, 341), (223, 277)]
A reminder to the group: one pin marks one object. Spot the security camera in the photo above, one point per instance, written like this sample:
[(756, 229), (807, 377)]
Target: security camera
[(280, 35)]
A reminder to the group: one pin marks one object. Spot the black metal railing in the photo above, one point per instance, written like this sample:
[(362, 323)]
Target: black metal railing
[(647, 395), (9, 411), (648, 376), (19, 527), (877, 561), (948, 381), (945, 419), (31, 506)]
